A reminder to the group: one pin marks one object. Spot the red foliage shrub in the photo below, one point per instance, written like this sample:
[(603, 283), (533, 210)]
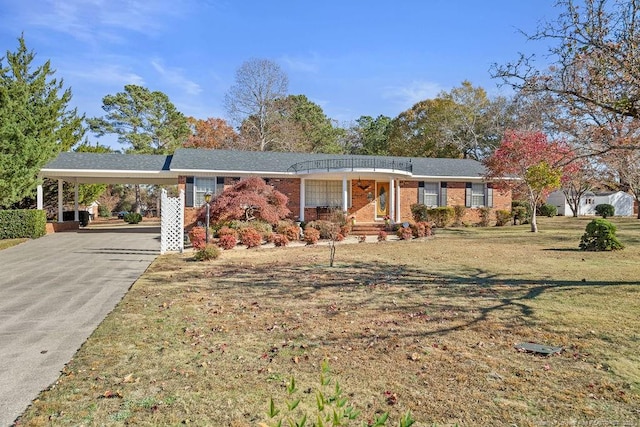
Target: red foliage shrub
[(250, 237), (197, 237), (421, 229), (339, 237), (345, 230), (382, 236), (280, 239), (227, 241), (248, 199), (289, 229), (405, 233), (227, 231), (311, 235), (362, 238)]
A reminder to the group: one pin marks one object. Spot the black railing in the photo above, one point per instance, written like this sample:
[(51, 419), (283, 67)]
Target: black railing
[(351, 164)]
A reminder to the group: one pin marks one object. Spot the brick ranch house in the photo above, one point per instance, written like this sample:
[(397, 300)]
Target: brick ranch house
[(368, 188)]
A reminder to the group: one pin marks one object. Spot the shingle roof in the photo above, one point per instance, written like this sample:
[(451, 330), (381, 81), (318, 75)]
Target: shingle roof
[(110, 161), (189, 159)]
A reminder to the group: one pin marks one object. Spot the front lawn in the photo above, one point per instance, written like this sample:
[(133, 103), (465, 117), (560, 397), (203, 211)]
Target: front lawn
[(425, 325)]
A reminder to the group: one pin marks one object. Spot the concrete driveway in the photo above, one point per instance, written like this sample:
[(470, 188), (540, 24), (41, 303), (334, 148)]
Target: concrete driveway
[(54, 291)]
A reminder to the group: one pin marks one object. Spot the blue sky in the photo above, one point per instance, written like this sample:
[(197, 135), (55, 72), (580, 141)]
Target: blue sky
[(351, 57)]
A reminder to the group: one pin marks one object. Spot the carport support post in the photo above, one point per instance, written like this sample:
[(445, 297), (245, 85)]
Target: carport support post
[(60, 200), (39, 197), (76, 214), (302, 200)]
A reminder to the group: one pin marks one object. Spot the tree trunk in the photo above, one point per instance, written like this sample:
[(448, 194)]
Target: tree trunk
[(534, 223)]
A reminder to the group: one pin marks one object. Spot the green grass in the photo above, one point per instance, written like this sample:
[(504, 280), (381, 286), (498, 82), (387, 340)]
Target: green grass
[(431, 322), (7, 243)]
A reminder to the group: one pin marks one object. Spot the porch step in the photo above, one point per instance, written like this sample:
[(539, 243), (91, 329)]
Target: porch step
[(367, 229)]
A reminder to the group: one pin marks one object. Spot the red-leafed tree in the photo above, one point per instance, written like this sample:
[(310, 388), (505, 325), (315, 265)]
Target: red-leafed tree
[(529, 162), (210, 133), (250, 199)]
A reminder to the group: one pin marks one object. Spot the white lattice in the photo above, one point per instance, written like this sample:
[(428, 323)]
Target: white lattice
[(172, 223)]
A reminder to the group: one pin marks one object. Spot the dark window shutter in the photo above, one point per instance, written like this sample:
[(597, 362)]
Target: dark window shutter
[(443, 194), (489, 196), (188, 192), (219, 185), (421, 192), (468, 191)]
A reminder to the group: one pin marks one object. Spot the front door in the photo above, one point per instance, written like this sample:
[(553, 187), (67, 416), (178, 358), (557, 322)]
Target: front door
[(382, 199)]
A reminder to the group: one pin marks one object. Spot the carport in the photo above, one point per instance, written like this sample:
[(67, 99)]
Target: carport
[(116, 168)]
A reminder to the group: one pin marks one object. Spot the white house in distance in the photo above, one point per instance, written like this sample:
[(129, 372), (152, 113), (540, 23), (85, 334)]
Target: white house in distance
[(621, 201)]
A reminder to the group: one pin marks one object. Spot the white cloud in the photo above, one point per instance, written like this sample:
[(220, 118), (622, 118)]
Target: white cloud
[(107, 74), (410, 94), (176, 77)]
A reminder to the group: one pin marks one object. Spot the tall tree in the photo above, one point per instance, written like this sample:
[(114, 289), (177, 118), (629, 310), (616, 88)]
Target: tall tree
[(578, 178), (419, 130), (36, 122), (370, 136), (146, 121), (530, 163), (476, 122), (250, 102), (596, 60), (210, 133), (301, 125)]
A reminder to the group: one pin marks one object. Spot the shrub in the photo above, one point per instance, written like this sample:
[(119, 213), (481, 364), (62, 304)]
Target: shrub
[(458, 214), (133, 218), (382, 236), (421, 229), (327, 229), (521, 212), (547, 209), (289, 229), (197, 237), (104, 211), (600, 235), (250, 237), (345, 229), (280, 239), (605, 210), (503, 217), (227, 241), (22, 223), (227, 231), (362, 238), (485, 217), (311, 235), (405, 233), (441, 216), (207, 253), (419, 212)]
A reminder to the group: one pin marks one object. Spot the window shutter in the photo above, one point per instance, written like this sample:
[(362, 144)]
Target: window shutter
[(188, 192), (219, 185), (443, 194), (489, 196), (421, 192), (468, 192)]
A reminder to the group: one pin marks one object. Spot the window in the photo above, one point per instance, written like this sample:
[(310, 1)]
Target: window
[(325, 193), (201, 187), (431, 194), (479, 195)]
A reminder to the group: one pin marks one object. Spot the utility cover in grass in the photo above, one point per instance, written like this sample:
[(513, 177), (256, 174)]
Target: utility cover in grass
[(538, 348)]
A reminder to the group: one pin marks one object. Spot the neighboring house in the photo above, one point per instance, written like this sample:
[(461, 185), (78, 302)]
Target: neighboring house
[(368, 188), (621, 201)]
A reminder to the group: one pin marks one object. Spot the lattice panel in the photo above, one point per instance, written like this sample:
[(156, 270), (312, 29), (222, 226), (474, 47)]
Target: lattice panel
[(172, 223)]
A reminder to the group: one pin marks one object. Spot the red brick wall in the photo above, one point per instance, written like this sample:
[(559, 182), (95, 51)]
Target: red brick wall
[(290, 187), (408, 197), (361, 208)]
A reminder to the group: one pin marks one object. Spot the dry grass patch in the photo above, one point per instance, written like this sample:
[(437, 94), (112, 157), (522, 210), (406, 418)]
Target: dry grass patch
[(427, 326)]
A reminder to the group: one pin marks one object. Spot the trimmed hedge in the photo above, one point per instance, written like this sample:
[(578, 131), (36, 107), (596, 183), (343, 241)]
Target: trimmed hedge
[(21, 223)]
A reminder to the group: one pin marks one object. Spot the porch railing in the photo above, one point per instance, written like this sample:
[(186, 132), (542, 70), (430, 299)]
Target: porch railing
[(351, 164)]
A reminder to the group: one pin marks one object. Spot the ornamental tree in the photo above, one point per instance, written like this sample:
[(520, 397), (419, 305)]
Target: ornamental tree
[(528, 162), (250, 199)]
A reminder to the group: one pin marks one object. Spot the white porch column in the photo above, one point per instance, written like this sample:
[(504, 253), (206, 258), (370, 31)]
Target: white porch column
[(60, 200), (39, 197), (76, 214), (302, 200), (398, 219), (392, 199), (345, 194)]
